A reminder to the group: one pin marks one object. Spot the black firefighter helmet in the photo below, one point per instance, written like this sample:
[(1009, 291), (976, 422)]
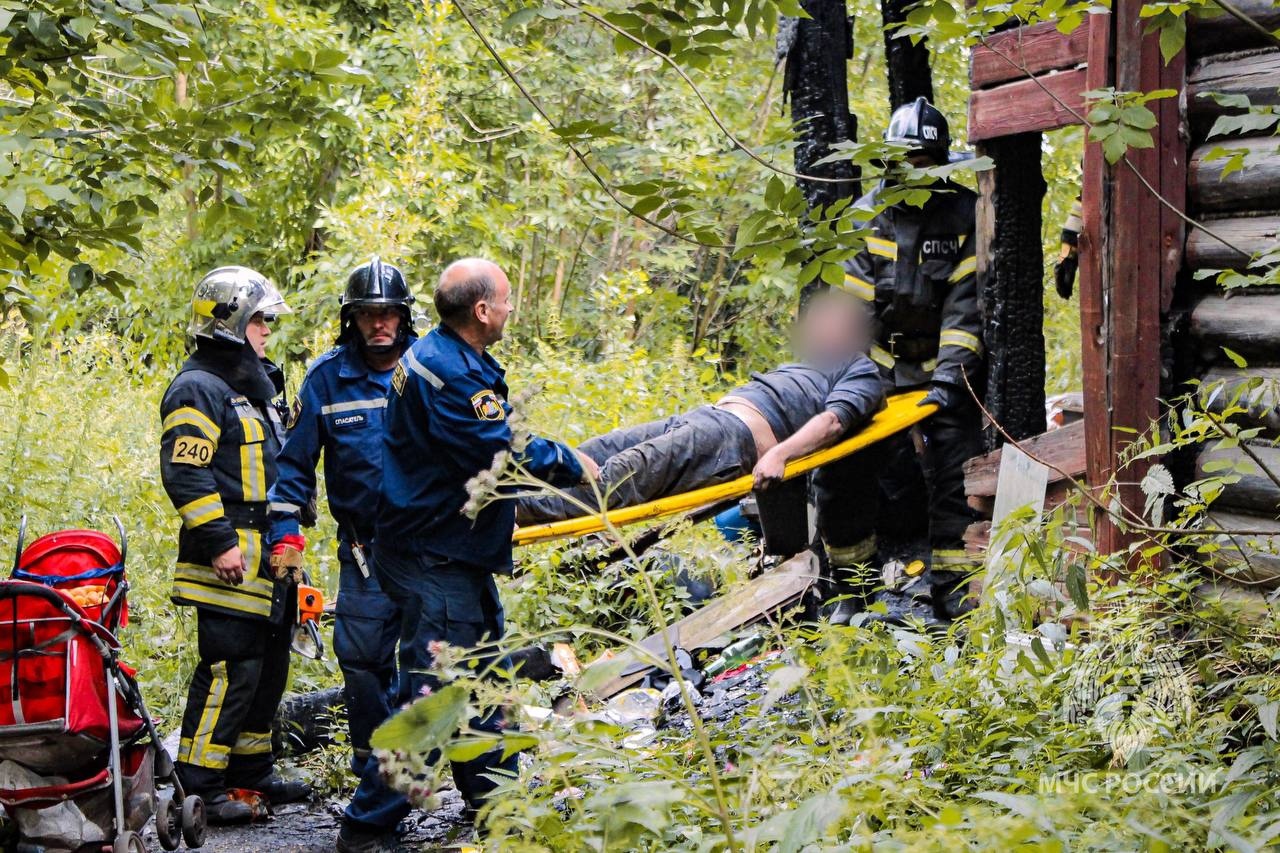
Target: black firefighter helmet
[(921, 128), (375, 283)]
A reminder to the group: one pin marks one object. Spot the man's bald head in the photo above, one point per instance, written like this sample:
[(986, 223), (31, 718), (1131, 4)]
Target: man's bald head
[(474, 294)]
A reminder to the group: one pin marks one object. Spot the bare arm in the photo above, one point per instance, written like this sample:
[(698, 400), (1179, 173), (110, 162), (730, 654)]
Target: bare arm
[(821, 431)]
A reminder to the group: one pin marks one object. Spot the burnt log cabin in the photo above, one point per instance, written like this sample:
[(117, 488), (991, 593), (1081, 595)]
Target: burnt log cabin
[(1155, 322)]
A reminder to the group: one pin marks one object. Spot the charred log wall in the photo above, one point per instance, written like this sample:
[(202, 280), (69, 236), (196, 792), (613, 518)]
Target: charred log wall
[(1013, 293), (1241, 207), (910, 76), (817, 50)]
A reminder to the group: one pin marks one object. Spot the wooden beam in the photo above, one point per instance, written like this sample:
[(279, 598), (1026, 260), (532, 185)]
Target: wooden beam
[(1255, 492), (769, 592), (1013, 54), (1128, 277), (1251, 234), (1254, 75), (1255, 187), (1223, 32), (1063, 448), (1247, 323), (1044, 103)]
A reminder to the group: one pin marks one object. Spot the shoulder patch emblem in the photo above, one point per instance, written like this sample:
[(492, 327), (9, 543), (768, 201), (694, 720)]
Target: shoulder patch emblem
[(398, 378), (192, 450), (487, 406), (295, 412)]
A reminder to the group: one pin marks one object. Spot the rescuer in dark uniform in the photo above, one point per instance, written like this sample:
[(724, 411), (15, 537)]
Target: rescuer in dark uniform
[(918, 273), (220, 435), (446, 419), (339, 411)]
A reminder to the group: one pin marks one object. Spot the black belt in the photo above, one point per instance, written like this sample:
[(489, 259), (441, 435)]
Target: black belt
[(911, 349), (252, 516)]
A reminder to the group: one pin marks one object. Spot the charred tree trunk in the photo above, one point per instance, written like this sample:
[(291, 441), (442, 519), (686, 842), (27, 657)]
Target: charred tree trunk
[(817, 50), (1013, 294), (908, 62)]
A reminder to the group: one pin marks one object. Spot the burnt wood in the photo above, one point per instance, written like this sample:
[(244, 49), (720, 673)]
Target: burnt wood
[(816, 81), (906, 62), (1013, 289), (1250, 560), (1222, 32), (1254, 389), (1248, 324), (1256, 187), (1049, 101), (1251, 235), (1256, 492), (1256, 75), (1011, 54)]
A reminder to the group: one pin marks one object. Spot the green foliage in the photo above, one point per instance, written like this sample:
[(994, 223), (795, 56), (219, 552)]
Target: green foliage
[(1121, 120)]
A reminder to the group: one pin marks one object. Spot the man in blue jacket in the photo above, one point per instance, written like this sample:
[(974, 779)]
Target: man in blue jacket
[(339, 411), (446, 419)]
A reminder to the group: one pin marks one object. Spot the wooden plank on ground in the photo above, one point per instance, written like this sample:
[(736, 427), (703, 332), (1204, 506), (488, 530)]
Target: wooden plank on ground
[(1012, 54), (1063, 447), (763, 595), (1047, 102)]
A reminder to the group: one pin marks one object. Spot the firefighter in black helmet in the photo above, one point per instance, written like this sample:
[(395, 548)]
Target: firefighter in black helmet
[(339, 415), (918, 274)]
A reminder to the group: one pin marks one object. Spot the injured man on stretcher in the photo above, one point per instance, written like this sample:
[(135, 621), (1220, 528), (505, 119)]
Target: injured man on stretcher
[(778, 416)]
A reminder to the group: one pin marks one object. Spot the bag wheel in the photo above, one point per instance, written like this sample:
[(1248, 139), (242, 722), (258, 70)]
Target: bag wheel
[(193, 821), (130, 842), (168, 822)]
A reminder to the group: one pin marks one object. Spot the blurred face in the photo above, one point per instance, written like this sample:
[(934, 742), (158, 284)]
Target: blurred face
[(835, 328), (257, 332), (378, 324), (492, 313)]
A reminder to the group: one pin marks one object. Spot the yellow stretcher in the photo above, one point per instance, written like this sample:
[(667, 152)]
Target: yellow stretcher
[(901, 413)]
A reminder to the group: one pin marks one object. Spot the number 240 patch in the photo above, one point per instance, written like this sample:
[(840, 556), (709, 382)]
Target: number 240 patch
[(192, 450)]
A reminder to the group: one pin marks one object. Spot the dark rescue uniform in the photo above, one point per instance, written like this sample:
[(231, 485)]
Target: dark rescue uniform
[(220, 437), (919, 273)]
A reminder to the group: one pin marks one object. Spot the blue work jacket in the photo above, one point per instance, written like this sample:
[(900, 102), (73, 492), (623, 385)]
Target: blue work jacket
[(446, 419), (339, 410)]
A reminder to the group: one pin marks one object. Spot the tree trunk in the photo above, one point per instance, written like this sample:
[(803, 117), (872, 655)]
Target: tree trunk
[(1013, 294), (817, 50), (908, 62)]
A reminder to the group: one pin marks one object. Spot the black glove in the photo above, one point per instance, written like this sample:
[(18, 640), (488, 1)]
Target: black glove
[(943, 395), (1064, 274)]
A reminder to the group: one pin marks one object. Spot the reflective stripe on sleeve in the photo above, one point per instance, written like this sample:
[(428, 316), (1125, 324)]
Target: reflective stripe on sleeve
[(418, 368), (281, 506), (859, 287), (201, 510), (965, 268), (882, 357), (960, 338), (188, 416), (883, 248)]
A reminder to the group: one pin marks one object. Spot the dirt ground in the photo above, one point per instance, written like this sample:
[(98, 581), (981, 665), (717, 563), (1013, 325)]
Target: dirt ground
[(312, 828)]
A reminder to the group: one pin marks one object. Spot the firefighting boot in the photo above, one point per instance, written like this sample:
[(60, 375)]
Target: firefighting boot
[(850, 582), (905, 597)]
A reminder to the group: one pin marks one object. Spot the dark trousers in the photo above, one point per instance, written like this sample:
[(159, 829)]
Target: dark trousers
[(642, 463), (232, 702), (846, 496), (456, 604), (933, 480), (365, 633)]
